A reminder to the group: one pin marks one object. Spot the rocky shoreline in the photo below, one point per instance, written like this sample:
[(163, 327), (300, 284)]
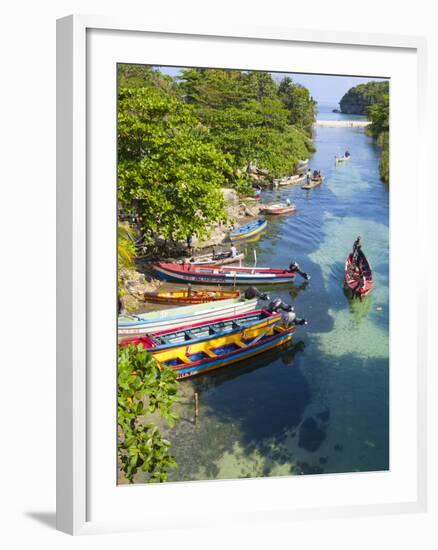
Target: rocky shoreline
[(239, 210)]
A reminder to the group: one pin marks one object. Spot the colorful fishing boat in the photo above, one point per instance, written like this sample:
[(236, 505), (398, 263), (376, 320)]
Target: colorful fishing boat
[(313, 183), (249, 230), (358, 275), (198, 332), (224, 275), (280, 208), (153, 321), (189, 296), (208, 355), (218, 258)]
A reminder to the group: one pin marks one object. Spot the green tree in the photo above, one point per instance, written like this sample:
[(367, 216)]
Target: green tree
[(125, 252), (169, 172), (145, 388), (379, 129), (359, 98), (299, 104)]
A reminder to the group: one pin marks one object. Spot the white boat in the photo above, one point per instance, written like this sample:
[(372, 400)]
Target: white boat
[(289, 180), (342, 159), (178, 317), (217, 258)]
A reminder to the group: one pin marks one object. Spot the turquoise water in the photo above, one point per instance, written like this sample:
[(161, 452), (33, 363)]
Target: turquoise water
[(321, 405)]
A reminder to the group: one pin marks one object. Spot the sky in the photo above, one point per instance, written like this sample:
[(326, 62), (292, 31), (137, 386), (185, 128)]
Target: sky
[(326, 89)]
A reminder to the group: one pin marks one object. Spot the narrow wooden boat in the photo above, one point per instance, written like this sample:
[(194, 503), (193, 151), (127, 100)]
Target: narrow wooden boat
[(290, 180), (225, 275), (313, 183), (205, 356), (249, 230), (181, 316), (280, 208), (190, 296), (219, 258), (205, 330), (358, 275), (342, 159)]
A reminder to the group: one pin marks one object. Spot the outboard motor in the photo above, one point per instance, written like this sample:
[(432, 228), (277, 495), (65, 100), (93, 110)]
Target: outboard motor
[(295, 268), (277, 305), (253, 292)]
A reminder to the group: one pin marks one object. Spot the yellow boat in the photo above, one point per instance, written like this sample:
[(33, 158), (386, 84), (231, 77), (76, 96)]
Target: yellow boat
[(198, 358), (190, 296)]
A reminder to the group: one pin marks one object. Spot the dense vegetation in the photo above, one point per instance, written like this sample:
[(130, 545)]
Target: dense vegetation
[(360, 98), (144, 389), (379, 129), (372, 100), (181, 139)]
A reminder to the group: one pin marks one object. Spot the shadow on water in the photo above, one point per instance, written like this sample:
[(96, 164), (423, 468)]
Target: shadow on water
[(320, 405)]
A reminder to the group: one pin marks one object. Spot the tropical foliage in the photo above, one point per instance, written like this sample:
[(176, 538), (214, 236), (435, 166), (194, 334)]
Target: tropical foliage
[(125, 252), (181, 139), (359, 98), (145, 390), (379, 129)]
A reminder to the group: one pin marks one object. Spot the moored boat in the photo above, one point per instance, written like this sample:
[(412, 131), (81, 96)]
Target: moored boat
[(342, 159), (248, 230), (189, 296), (219, 258), (226, 275), (313, 183), (205, 356), (280, 208), (178, 317), (358, 275), (205, 330)]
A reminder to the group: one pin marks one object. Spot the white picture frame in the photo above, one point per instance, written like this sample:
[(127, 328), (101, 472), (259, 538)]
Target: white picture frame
[(76, 229)]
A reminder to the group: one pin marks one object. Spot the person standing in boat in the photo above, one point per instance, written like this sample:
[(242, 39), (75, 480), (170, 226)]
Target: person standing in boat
[(308, 175)]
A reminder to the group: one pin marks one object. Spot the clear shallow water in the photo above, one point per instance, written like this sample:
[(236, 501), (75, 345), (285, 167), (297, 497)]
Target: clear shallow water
[(321, 405)]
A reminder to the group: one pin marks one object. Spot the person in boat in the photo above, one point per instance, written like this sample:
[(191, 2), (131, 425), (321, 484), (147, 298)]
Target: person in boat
[(308, 175), (253, 292), (288, 203), (346, 154), (295, 268), (356, 250), (233, 251), (315, 174)]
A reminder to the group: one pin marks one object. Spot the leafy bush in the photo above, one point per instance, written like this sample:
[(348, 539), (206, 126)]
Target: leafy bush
[(145, 388)]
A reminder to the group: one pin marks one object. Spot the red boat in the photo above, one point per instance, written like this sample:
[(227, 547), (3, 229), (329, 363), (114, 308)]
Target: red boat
[(226, 275), (358, 275)]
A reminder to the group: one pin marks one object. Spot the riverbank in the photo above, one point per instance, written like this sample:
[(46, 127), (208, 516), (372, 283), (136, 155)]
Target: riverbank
[(239, 210), (342, 123)]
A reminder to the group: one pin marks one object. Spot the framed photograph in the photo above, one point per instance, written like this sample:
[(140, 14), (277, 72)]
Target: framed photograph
[(240, 235)]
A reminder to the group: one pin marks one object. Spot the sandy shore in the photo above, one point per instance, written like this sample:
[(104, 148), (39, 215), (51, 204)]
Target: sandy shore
[(343, 123)]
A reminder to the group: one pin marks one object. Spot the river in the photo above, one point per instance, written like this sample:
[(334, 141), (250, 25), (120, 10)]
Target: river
[(320, 406)]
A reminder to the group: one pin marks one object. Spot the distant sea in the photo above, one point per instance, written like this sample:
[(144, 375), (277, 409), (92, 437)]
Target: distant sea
[(325, 112)]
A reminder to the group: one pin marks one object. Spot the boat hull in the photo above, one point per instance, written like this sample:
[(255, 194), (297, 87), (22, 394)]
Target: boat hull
[(208, 260), (199, 332), (273, 211), (313, 183), (351, 280), (195, 296), (224, 276), (249, 230), (245, 345), (181, 316)]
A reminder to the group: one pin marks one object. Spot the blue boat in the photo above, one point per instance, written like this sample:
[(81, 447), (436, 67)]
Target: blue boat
[(249, 230)]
